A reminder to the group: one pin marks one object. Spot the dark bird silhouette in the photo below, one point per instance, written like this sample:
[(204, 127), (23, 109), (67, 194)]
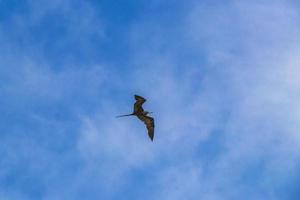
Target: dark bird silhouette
[(142, 115)]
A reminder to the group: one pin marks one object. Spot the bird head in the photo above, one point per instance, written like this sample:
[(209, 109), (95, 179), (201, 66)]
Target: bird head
[(146, 112)]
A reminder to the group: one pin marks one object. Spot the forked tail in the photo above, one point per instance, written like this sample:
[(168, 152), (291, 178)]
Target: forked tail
[(125, 115)]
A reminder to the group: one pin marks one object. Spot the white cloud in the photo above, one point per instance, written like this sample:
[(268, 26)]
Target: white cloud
[(249, 91), (246, 90)]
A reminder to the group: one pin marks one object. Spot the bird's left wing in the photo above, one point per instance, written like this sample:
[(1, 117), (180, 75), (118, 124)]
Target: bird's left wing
[(149, 122)]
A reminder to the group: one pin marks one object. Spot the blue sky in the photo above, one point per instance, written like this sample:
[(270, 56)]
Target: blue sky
[(222, 78)]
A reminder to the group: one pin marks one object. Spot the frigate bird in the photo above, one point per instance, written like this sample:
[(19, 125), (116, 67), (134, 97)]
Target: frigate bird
[(142, 115)]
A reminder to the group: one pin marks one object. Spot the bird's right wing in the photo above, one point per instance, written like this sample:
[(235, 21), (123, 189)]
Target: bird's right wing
[(138, 104)]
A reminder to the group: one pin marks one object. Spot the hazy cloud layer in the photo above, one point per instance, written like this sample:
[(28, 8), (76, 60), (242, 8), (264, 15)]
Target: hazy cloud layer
[(221, 79)]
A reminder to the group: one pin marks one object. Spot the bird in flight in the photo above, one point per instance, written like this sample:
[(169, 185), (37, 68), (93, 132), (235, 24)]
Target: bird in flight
[(142, 115)]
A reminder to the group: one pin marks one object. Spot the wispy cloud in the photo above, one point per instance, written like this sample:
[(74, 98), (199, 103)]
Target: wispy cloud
[(223, 84)]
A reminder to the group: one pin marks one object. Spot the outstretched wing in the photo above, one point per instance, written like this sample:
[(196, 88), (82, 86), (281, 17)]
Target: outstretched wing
[(137, 108), (149, 122)]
